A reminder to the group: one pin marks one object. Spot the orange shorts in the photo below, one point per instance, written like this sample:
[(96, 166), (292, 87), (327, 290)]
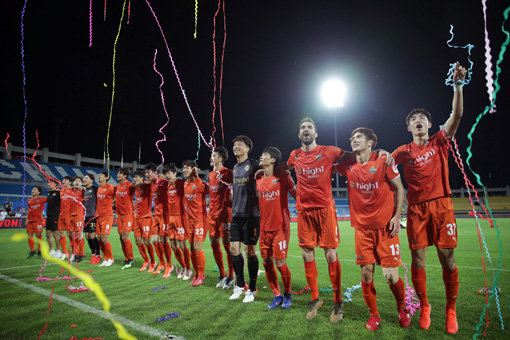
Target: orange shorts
[(104, 225), (274, 244), (76, 223), (143, 227), (198, 232), (64, 222), (318, 227), (34, 227), (159, 226), (177, 228), (376, 246), (432, 223), (125, 223), (219, 226)]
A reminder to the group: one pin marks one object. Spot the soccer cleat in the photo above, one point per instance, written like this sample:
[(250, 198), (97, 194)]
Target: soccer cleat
[(228, 283), (144, 266), (71, 259), (277, 300), (238, 291), (151, 267), (127, 264), (109, 263), (315, 305), (221, 281), (159, 269), (78, 258), (425, 317), (168, 271), (31, 254), (373, 323), (64, 256), (404, 318), (338, 312), (58, 254), (187, 275), (98, 259), (451, 321), (103, 264), (52, 253), (92, 259), (195, 277), (39, 254), (249, 296), (180, 273), (200, 279), (287, 300)]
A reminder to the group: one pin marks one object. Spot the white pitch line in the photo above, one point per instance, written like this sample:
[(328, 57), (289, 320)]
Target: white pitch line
[(21, 267), (88, 309)]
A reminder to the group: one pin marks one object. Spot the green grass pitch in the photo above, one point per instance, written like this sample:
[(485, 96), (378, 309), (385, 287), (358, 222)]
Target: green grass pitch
[(206, 312)]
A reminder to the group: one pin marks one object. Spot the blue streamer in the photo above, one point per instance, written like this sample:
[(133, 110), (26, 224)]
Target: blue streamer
[(348, 292), (449, 77)]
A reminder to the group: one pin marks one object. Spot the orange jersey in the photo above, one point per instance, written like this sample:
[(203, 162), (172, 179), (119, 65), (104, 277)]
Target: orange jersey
[(425, 168), (273, 195), (313, 171), (143, 201), (220, 199), (371, 201), (35, 209), (159, 189), (77, 203), (194, 194), (124, 198), (175, 195), (65, 201), (105, 196)]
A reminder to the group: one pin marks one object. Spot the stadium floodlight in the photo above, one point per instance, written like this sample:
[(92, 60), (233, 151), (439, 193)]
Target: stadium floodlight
[(333, 93)]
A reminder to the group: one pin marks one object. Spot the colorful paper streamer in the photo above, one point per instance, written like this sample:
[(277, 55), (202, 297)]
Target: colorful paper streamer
[(164, 109), (449, 77), (488, 57)]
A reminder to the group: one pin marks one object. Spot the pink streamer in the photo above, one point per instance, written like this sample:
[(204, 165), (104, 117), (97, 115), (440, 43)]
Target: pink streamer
[(164, 108), (412, 303), (488, 62), (90, 23), (177, 75), (40, 271)]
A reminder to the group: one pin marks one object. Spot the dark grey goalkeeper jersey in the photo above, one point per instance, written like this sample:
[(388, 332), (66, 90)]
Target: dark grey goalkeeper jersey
[(90, 198), (245, 202)]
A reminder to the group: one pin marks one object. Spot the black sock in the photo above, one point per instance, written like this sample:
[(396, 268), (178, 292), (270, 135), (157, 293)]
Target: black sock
[(238, 263), (253, 269), (97, 248), (91, 245)]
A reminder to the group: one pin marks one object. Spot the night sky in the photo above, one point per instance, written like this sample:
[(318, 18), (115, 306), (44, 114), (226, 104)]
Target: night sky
[(391, 54)]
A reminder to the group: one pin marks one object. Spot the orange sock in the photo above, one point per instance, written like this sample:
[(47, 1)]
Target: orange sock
[(150, 249), (335, 275), (226, 246), (63, 245), (143, 252), (168, 253), (451, 284), (286, 278), (218, 257), (179, 256), (129, 249), (194, 261), (369, 294), (399, 292), (159, 252), (108, 248), (187, 256), (81, 246), (31, 244), (311, 277), (272, 278), (39, 237), (200, 262), (103, 249), (420, 284), (123, 244)]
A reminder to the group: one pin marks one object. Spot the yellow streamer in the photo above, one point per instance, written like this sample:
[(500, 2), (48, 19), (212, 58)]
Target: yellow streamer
[(196, 19), (113, 89), (87, 280)]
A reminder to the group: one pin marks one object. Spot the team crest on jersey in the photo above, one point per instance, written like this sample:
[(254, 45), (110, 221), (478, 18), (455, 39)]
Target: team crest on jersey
[(319, 156), (373, 170), (246, 168), (352, 184), (194, 186), (104, 189), (275, 180)]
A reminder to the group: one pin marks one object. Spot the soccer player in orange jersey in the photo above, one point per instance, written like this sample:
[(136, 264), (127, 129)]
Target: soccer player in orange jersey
[(195, 191), (143, 220), (64, 219), (177, 221), (35, 220), (159, 226), (104, 213), (77, 217), (430, 215), (220, 214), (124, 207), (273, 191), (376, 219)]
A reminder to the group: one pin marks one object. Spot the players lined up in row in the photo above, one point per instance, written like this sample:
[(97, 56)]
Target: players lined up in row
[(375, 199)]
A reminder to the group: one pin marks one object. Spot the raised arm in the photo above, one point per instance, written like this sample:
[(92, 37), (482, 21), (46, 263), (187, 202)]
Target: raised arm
[(451, 125)]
